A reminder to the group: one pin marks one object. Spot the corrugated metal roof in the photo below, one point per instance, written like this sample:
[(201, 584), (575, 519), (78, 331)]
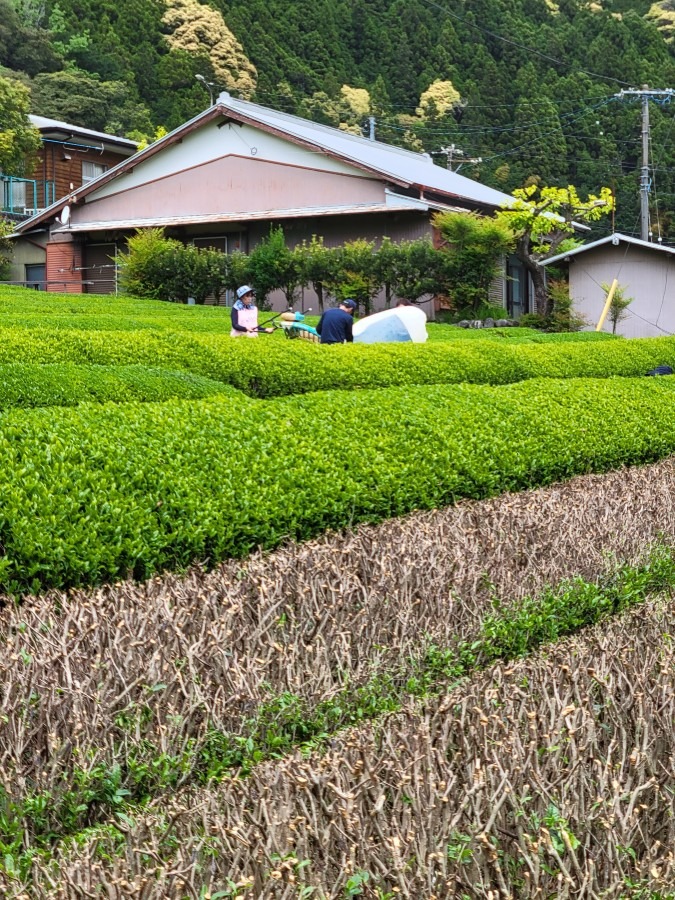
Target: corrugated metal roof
[(402, 165), (263, 215), (44, 124), (610, 239)]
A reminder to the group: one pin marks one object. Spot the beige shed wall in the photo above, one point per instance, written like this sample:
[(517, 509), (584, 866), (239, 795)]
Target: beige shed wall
[(27, 253), (646, 275)]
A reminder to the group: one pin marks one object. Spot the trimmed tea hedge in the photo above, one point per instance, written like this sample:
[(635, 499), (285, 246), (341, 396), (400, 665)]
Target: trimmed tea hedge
[(92, 494), (267, 368), (30, 385)]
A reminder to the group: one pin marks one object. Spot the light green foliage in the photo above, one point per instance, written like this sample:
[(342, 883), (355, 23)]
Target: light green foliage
[(318, 266), (273, 265), (358, 275), (19, 141), (438, 99), (229, 488), (414, 269), (541, 220), (563, 317), (150, 265), (619, 304), (547, 214), (199, 29), (6, 247), (30, 385)]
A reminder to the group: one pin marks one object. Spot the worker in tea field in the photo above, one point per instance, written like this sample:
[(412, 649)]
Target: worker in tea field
[(335, 325), (245, 315)]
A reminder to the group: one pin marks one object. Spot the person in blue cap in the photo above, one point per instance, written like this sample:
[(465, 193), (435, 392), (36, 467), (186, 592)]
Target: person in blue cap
[(335, 325)]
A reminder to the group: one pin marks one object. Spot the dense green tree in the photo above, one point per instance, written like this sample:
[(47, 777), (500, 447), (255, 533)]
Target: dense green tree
[(19, 141), (527, 107)]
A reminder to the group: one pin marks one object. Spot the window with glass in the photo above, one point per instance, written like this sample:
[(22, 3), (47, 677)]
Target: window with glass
[(91, 170)]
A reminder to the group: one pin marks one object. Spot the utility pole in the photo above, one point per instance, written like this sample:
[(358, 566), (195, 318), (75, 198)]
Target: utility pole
[(371, 125), (453, 150), (645, 95), (450, 151)]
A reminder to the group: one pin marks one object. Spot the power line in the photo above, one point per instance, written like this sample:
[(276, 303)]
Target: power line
[(531, 50), (460, 131)]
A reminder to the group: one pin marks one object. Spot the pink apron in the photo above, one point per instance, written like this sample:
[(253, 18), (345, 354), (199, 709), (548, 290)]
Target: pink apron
[(248, 317)]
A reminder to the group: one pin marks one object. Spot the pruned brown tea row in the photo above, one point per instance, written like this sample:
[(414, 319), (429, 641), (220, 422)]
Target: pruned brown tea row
[(112, 680), (551, 776)]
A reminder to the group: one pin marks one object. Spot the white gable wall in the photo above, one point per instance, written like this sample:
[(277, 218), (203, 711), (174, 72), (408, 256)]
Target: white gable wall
[(211, 142)]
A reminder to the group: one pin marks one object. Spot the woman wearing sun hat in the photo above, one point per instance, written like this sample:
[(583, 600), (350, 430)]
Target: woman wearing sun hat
[(245, 314)]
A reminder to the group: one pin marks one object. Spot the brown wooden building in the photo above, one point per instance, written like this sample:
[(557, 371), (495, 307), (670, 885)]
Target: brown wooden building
[(70, 157)]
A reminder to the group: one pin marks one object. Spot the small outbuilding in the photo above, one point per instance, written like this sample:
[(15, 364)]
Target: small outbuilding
[(645, 271)]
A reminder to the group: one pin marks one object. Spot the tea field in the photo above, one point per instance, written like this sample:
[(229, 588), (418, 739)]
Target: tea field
[(290, 621)]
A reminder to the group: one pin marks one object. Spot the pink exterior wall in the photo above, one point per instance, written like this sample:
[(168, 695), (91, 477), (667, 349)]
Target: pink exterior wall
[(232, 184)]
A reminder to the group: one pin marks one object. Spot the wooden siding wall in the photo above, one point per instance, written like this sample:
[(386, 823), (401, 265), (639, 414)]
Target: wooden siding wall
[(64, 267), (336, 230), (67, 173), (497, 290)]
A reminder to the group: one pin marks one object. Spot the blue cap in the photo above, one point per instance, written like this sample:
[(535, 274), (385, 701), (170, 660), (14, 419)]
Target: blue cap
[(350, 304)]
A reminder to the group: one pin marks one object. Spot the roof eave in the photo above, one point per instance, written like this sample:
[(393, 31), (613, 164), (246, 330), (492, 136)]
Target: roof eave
[(81, 193)]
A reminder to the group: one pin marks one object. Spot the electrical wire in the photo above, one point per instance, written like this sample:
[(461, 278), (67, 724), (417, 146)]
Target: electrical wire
[(481, 129), (530, 50)]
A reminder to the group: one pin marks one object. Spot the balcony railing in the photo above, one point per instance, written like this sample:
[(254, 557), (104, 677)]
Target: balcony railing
[(25, 196)]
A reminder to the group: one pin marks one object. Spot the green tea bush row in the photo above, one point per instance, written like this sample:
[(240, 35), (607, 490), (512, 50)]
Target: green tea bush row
[(65, 384), (269, 368), (93, 494)]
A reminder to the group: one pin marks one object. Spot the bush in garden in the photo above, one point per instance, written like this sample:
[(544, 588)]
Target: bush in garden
[(148, 268), (471, 253), (619, 305), (563, 316), (237, 269), (358, 276), (387, 264), (273, 265), (318, 266), (6, 247), (419, 270)]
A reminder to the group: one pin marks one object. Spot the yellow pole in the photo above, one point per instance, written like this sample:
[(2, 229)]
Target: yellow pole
[(608, 303)]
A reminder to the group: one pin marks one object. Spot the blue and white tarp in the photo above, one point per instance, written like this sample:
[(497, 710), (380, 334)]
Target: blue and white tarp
[(405, 323)]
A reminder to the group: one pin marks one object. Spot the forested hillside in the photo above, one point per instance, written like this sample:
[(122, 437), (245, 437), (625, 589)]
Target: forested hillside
[(525, 86)]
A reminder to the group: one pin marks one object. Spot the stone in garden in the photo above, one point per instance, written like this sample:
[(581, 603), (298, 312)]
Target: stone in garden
[(502, 323), (489, 322)]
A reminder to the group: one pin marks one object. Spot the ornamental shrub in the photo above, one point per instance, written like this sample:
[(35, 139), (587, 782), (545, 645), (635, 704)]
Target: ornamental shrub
[(148, 268)]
